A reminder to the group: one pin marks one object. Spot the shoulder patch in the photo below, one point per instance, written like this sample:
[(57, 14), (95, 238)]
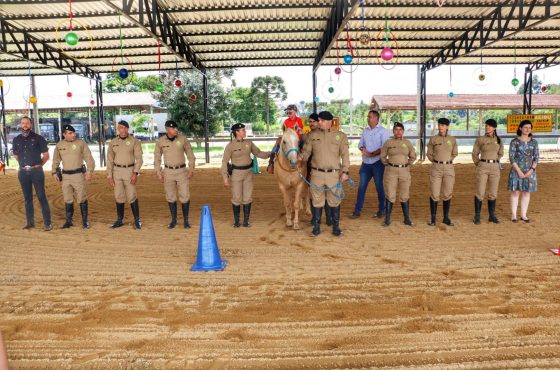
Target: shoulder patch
[(74, 146), (178, 143), (449, 142), (128, 142), (337, 137)]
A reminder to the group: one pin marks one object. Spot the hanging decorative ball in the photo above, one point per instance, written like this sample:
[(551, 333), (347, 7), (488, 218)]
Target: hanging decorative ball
[(481, 77), (123, 73), (71, 38), (33, 99), (316, 99), (92, 102), (348, 59), (69, 94), (451, 94), (192, 97), (387, 54), (544, 88), (1, 83), (178, 83), (159, 87), (337, 70), (515, 82), (331, 90), (364, 39)]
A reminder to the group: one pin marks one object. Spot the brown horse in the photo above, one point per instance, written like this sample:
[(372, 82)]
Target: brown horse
[(290, 174)]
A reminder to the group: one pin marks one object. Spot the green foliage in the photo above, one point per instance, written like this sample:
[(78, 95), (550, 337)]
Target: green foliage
[(113, 84), (189, 113), (139, 123), (267, 90), (537, 83), (243, 105)]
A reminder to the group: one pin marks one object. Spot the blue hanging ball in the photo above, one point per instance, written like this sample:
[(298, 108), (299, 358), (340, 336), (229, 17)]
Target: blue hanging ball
[(123, 73), (451, 94), (348, 59), (316, 99)]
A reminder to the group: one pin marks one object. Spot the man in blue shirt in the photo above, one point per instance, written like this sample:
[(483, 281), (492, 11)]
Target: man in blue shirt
[(32, 152), (373, 138)]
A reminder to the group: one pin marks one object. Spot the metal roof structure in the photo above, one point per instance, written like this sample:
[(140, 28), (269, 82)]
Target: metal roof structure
[(242, 33), (459, 101)]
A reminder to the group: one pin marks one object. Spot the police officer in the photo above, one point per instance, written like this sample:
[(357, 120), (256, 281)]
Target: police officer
[(239, 172), (124, 160), (442, 149), (72, 153), (397, 154), (175, 176), (329, 166), (486, 155)]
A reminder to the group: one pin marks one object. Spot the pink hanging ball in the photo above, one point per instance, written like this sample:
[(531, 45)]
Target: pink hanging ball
[(387, 54), (92, 102), (69, 94), (337, 70)]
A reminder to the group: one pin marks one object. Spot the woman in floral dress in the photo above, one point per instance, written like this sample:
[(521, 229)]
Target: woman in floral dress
[(524, 158)]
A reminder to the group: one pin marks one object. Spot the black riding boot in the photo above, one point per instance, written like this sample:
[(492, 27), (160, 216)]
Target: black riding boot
[(477, 208), (405, 210), (84, 211), (136, 213), (316, 211), (492, 211), (328, 215), (173, 211), (246, 215), (388, 210), (185, 207), (120, 216), (236, 212), (311, 208), (69, 214), (335, 215), (433, 212), (446, 207)]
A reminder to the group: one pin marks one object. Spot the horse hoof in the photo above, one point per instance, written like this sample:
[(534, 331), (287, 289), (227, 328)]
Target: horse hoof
[(296, 226)]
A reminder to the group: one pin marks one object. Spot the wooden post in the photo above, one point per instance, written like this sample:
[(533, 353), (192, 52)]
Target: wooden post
[(467, 120)]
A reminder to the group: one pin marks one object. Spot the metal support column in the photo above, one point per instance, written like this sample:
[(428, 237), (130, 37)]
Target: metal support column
[(35, 112), (206, 129), (527, 90), (314, 79), (4, 155), (422, 118), (100, 122)]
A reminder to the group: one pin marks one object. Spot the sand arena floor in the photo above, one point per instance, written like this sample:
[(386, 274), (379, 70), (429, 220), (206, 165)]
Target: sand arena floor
[(471, 297)]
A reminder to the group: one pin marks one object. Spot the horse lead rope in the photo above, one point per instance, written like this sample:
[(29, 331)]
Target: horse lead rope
[(338, 189)]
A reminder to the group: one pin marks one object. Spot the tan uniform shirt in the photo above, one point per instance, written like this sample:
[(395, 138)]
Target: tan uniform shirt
[(72, 154), (487, 147), (239, 151), (329, 148), (124, 152), (442, 148), (398, 152), (173, 152)]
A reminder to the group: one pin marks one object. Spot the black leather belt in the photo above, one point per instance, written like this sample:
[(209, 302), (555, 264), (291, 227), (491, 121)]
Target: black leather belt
[(72, 172), (439, 162), (490, 160), (124, 165), (398, 165), (242, 167), (176, 167), (323, 170)]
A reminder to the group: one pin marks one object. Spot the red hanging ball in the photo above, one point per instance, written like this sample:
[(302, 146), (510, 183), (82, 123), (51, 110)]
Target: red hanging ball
[(543, 88), (178, 83), (69, 94), (92, 102), (192, 97)]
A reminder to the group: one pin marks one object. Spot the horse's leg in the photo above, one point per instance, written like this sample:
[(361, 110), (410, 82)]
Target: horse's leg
[(297, 204), (287, 203)]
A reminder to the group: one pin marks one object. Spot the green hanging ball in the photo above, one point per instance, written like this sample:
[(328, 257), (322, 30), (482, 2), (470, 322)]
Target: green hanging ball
[(515, 82), (159, 87), (331, 90), (71, 38)]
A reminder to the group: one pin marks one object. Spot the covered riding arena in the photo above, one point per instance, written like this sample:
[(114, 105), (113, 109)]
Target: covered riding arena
[(469, 297)]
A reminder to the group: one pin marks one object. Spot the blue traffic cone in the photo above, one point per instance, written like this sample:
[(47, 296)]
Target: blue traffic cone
[(256, 169), (208, 257)]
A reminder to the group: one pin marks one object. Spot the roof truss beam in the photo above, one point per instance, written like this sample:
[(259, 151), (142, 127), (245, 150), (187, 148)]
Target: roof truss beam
[(545, 62), (32, 48), (518, 18)]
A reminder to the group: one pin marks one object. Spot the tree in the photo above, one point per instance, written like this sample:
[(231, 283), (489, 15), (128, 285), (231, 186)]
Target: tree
[(186, 106), (267, 88), (536, 82), (243, 105), (113, 84), (139, 123)]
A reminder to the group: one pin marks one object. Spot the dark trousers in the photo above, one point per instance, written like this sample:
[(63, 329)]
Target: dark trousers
[(35, 178), (367, 172)]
